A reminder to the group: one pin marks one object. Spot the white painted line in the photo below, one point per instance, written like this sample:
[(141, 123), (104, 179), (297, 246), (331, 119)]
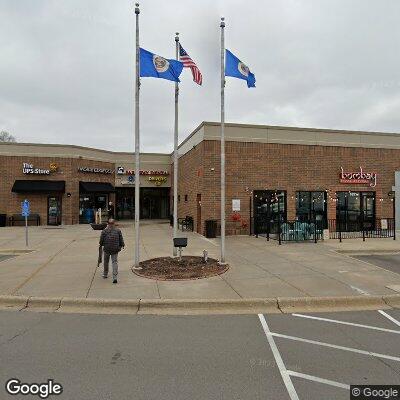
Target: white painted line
[(389, 317), (335, 321), (334, 346), (319, 380), (278, 359), (358, 290)]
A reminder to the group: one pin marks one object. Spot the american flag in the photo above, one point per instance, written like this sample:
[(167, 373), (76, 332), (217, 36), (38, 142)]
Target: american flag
[(189, 63)]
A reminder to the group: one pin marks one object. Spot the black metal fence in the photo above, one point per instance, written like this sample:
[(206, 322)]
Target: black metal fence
[(377, 228), (289, 231)]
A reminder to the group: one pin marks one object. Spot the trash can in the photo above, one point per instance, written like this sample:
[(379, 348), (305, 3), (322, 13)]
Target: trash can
[(3, 219), (211, 228)]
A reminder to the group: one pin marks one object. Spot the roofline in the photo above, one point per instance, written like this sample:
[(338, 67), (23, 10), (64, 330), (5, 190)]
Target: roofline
[(237, 125), (74, 146)]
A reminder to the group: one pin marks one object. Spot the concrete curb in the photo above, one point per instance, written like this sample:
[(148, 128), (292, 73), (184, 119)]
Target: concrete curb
[(13, 302), (212, 306), (285, 305), (343, 303), (43, 303), (98, 306)]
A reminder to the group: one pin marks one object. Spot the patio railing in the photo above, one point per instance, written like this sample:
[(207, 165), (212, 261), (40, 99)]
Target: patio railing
[(377, 228)]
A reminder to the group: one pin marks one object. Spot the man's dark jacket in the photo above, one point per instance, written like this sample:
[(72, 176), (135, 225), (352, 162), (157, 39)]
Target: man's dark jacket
[(111, 239)]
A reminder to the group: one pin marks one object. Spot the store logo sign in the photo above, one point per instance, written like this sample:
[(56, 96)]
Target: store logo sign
[(126, 171), (95, 170), (158, 180), (30, 169), (359, 177)]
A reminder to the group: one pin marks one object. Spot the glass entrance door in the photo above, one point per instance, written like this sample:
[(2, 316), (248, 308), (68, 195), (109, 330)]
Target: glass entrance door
[(355, 210), (54, 210), (269, 210)]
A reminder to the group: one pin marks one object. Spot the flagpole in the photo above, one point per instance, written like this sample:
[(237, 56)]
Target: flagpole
[(222, 26), (137, 144), (175, 222)]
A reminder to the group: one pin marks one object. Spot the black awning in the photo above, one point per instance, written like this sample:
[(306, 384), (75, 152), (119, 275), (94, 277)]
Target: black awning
[(39, 186), (98, 187)]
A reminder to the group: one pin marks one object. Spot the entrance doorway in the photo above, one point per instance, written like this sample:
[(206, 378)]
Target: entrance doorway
[(355, 211), (54, 210), (269, 209)]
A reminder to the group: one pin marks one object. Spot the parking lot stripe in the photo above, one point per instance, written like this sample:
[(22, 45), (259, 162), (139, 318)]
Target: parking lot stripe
[(319, 380), (335, 321), (389, 317), (334, 346), (278, 359)]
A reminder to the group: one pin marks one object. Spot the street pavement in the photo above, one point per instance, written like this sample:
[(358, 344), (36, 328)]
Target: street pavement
[(277, 357), (63, 263)]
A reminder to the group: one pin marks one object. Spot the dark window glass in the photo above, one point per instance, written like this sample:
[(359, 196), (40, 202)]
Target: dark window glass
[(355, 209), (310, 205)]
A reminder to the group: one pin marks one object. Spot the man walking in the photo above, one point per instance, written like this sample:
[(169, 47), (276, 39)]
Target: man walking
[(112, 242)]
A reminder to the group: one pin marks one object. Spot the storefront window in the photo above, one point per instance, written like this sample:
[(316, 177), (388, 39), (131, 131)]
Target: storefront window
[(269, 208), (89, 203), (310, 205), (355, 209), (154, 203)]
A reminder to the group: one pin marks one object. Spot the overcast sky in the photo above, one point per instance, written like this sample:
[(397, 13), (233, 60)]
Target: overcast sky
[(67, 67)]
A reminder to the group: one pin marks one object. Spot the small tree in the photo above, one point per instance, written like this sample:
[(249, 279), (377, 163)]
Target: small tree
[(6, 137)]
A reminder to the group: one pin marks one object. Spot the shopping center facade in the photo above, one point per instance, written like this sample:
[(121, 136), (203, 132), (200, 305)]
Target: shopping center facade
[(271, 173)]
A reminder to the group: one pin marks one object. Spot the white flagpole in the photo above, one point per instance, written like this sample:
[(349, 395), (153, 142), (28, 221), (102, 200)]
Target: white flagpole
[(175, 222), (137, 144), (222, 25)]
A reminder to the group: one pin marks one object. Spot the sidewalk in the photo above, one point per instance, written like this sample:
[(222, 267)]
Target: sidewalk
[(63, 263)]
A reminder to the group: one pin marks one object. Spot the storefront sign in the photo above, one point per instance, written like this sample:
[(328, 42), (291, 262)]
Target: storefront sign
[(359, 177), (129, 181), (30, 169), (126, 171), (235, 204), (158, 180), (95, 170)]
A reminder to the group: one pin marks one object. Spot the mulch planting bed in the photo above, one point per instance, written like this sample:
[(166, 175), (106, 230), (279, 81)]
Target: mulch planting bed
[(170, 269)]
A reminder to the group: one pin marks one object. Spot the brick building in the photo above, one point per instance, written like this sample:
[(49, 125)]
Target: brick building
[(67, 184), (300, 174), (272, 172)]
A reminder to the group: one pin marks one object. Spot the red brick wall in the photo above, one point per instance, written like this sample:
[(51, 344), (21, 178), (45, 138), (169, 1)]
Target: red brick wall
[(190, 183), (11, 169), (259, 166)]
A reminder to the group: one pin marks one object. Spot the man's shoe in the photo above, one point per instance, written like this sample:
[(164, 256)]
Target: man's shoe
[(115, 281), (105, 276)]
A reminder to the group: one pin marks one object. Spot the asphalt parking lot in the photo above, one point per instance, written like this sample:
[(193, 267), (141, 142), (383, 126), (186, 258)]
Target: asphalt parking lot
[(390, 262), (201, 357)]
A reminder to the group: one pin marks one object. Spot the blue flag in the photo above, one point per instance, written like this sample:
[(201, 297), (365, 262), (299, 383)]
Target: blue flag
[(234, 67), (154, 66)]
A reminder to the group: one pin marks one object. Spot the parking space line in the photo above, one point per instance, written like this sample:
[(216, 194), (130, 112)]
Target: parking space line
[(389, 317), (335, 321), (319, 380), (334, 346), (278, 359)]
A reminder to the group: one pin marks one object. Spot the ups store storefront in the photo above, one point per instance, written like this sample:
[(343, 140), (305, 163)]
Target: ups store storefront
[(67, 184)]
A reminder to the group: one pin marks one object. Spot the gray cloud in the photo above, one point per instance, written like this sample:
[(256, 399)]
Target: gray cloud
[(67, 68)]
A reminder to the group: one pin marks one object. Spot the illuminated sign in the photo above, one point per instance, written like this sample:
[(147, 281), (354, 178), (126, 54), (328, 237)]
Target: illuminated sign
[(126, 171), (359, 177), (30, 169), (95, 170), (158, 180)]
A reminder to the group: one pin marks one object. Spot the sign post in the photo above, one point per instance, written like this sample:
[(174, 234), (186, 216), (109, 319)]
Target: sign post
[(25, 212)]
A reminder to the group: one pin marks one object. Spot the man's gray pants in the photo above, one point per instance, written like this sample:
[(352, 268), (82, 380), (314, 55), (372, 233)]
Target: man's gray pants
[(114, 260)]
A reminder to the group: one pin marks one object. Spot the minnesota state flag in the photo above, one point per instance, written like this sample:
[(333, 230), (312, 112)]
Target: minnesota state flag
[(235, 68)]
